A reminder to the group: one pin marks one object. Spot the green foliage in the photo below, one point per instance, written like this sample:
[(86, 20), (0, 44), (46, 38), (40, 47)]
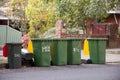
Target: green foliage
[(2, 2), (42, 12), (17, 11), (77, 12), (97, 9), (73, 12), (33, 30), (113, 3), (49, 34)]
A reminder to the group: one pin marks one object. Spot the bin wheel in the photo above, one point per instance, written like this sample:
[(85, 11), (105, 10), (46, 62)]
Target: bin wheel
[(89, 61), (31, 62), (6, 66)]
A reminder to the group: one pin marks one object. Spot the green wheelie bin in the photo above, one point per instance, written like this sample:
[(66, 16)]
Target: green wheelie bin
[(14, 55), (59, 52), (42, 51), (74, 51), (97, 48)]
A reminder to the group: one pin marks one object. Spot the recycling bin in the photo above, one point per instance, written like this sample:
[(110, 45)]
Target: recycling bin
[(59, 52), (97, 48), (14, 55), (42, 51), (74, 51)]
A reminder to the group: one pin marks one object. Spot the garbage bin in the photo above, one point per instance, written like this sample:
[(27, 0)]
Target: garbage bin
[(42, 51), (74, 51), (59, 52), (14, 55), (97, 48)]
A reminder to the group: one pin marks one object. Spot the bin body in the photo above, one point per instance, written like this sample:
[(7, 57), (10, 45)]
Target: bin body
[(42, 51), (59, 52), (74, 51), (97, 50), (14, 55)]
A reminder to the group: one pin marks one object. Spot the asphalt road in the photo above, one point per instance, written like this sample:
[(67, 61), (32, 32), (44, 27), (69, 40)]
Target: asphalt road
[(69, 72)]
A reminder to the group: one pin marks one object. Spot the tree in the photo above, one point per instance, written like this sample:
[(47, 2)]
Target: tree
[(41, 14), (2, 2), (77, 12), (17, 11), (73, 12), (97, 9)]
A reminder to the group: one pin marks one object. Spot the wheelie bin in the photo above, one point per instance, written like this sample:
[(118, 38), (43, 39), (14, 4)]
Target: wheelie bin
[(14, 55), (59, 52), (42, 49), (74, 51), (97, 48)]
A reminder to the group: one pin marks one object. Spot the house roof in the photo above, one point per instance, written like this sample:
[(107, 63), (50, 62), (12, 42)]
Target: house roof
[(1, 12), (113, 12), (3, 17)]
